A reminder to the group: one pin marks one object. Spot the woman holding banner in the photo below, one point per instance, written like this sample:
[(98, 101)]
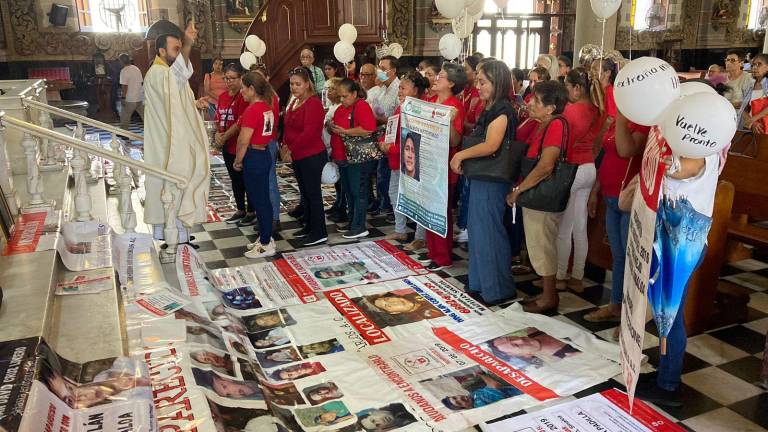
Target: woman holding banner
[(448, 84), (545, 131), (490, 274), (353, 118)]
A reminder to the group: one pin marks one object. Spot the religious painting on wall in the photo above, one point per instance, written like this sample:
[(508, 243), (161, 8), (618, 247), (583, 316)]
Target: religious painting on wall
[(240, 13), (724, 10)]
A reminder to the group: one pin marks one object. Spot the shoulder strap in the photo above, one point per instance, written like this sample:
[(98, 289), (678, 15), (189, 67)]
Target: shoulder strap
[(352, 115), (563, 138)]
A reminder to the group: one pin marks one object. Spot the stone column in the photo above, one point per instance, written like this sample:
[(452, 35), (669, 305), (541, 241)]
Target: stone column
[(589, 29)]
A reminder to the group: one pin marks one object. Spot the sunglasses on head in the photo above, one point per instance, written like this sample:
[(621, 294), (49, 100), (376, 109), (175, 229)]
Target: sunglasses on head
[(299, 70)]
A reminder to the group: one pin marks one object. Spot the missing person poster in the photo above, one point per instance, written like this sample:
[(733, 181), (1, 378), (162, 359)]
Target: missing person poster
[(34, 232), (642, 223), (424, 141), (349, 265), (607, 411)]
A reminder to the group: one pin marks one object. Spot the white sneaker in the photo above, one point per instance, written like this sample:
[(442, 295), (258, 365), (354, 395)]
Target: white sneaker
[(262, 251), (462, 236)]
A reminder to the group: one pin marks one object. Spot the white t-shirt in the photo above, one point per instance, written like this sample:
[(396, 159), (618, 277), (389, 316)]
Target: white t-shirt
[(699, 190), (737, 87), (131, 76)]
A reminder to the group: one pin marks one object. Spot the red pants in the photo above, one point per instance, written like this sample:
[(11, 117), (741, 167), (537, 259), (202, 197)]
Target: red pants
[(439, 248)]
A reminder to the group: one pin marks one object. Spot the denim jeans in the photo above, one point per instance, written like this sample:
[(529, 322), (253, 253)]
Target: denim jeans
[(382, 184), (274, 192), (617, 228), (671, 364), (394, 184), (463, 189), (490, 271), (256, 166), (356, 178)]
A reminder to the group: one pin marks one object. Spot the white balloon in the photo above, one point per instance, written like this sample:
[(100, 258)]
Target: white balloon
[(699, 125), (348, 33), (261, 49), (644, 88), (502, 4), (467, 3), (475, 7), (605, 8), (692, 87), (330, 174), (252, 43), (450, 46), (247, 59), (396, 50), (449, 8), (344, 51), (463, 25)]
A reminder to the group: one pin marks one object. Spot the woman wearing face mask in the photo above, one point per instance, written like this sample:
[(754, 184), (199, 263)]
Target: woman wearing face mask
[(414, 85), (448, 84), (490, 255), (583, 119), (228, 112), (253, 157), (303, 127), (545, 133), (353, 118), (753, 107)]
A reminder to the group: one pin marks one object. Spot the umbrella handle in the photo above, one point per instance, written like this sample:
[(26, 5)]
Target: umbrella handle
[(663, 344)]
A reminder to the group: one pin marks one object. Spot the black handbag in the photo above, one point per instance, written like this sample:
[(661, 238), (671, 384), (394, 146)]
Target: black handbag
[(503, 166), (552, 193), (361, 149)]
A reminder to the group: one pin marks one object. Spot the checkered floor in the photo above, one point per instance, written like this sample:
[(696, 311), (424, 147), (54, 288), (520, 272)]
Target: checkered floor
[(721, 366)]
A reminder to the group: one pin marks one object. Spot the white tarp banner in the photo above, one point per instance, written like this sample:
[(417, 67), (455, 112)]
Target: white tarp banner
[(85, 245)]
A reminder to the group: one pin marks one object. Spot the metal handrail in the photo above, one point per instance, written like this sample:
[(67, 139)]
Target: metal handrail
[(42, 132), (78, 118)]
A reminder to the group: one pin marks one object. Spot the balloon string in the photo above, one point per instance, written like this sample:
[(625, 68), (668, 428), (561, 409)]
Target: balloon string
[(602, 52), (630, 43)]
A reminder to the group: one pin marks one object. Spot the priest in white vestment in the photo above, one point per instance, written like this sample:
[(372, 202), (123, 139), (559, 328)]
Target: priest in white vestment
[(175, 139)]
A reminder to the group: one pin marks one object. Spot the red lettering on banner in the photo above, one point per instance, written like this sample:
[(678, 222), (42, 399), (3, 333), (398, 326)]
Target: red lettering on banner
[(169, 389), (305, 293), (400, 382), (51, 418), (402, 257), (368, 330), (189, 276), (641, 412), (495, 365), (26, 233), (146, 305), (656, 149)]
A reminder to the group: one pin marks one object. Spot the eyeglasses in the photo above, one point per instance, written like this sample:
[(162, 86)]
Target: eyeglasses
[(226, 78)]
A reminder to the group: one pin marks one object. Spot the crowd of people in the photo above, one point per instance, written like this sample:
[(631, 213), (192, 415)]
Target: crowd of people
[(562, 113)]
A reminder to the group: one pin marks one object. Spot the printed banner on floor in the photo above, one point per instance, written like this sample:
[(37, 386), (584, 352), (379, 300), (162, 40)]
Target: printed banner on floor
[(422, 194), (33, 232), (607, 411), (642, 223), (350, 265)]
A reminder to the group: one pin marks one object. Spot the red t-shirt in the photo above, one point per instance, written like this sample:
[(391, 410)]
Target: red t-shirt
[(582, 118), (473, 106), (343, 118), (228, 112), (610, 102), (458, 126), (613, 168), (529, 132), (393, 156), (303, 128), (259, 117)]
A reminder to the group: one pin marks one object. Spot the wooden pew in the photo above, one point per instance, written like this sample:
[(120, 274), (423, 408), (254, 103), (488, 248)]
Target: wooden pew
[(750, 203)]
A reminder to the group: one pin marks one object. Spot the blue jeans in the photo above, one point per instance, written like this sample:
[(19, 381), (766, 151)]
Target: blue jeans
[(274, 192), (671, 364), (355, 183), (617, 228), (256, 166), (490, 257), (463, 189), (382, 184)]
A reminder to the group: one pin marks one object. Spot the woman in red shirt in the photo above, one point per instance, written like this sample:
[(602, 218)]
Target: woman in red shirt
[(228, 112), (302, 133), (353, 118), (414, 85), (544, 130), (449, 83), (253, 159), (583, 121)]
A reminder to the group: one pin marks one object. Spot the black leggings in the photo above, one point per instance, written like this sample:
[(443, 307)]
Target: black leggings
[(238, 185), (308, 173)]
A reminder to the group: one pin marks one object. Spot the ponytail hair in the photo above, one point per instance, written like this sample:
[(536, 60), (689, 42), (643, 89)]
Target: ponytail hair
[(260, 85), (353, 87)]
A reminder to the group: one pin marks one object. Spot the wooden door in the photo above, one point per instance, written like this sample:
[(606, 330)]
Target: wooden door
[(365, 15)]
